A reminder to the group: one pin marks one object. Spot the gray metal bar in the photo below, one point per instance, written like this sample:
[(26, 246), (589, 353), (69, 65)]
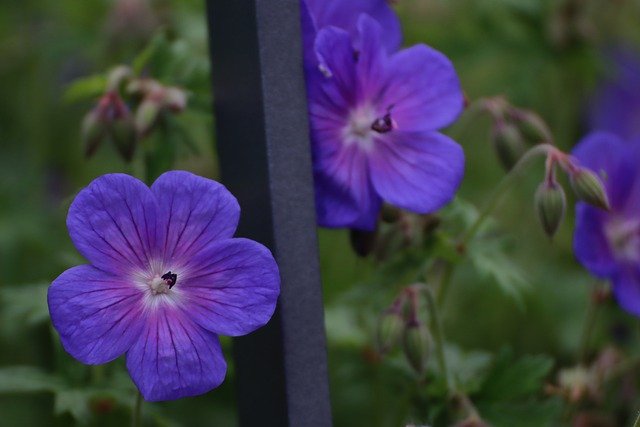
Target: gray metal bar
[(263, 145)]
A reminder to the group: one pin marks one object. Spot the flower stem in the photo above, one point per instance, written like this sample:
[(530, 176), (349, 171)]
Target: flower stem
[(587, 328), (438, 337), (136, 415), (502, 187)]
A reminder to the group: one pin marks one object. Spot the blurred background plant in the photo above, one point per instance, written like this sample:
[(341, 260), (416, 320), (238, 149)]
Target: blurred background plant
[(530, 339)]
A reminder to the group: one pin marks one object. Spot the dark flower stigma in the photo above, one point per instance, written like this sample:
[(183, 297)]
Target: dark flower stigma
[(170, 278), (384, 124)]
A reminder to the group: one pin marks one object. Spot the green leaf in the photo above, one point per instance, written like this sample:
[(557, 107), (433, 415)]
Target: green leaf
[(510, 379), (522, 414), (491, 260), (27, 379), (85, 88), (158, 44), (24, 304), (76, 402), (469, 368)]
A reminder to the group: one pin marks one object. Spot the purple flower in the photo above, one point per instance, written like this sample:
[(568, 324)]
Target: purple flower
[(608, 243), (616, 104), (344, 14), (374, 117), (166, 277)]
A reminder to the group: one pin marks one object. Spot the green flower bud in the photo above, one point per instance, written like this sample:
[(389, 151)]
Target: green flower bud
[(146, 116), (509, 144), (417, 343), (390, 329), (93, 132), (531, 126), (589, 188), (123, 135), (550, 202)]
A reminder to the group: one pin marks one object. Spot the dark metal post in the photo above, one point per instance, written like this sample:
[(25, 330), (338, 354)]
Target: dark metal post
[(263, 144)]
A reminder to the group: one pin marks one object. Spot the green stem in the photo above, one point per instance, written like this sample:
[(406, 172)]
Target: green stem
[(502, 187), (445, 280), (587, 328), (438, 338), (136, 415)]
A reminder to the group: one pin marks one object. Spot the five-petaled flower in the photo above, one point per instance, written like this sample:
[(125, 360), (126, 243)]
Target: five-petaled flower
[(607, 243), (166, 277), (374, 117)]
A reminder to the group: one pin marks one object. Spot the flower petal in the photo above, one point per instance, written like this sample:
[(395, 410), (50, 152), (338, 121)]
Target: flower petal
[(626, 288), (371, 58), (193, 212), (231, 287), (96, 314), (590, 244), (175, 358), (344, 14), (418, 171), (422, 89), (337, 62), (112, 222), (344, 194)]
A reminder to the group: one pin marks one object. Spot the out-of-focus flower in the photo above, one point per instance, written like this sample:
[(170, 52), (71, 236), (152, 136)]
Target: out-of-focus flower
[(131, 21), (607, 243), (374, 118), (166, 277), (616, 105)]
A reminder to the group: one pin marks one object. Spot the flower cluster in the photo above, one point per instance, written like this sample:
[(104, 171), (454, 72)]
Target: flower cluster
[(113, 119), (166, 277), (374, 114)]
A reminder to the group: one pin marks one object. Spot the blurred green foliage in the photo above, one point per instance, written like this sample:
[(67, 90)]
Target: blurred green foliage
[(516, 305)]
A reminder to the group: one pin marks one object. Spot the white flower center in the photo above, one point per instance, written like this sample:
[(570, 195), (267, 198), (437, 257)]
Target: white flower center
[(364, 126), (158, 285), (624, 237)]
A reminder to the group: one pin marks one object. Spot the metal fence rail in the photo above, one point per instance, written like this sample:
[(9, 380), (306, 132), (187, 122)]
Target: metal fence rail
[(263, 145)]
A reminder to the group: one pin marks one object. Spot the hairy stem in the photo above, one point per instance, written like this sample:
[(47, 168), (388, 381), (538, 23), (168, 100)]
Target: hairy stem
[(587, 327), (136, 414), (438, 337), (503, 186)]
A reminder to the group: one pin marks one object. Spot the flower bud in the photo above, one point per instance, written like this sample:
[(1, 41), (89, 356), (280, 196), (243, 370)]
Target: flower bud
[(123, 135), (117, 76), (363, 242), (531, 126), (509, 144), (550, 202), (146, 115), (417, 343), (175, 99), (589, 188), (93, 132), (390, 329)]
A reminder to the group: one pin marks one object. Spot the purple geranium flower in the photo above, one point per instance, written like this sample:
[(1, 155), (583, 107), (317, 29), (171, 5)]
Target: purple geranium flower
[(374, 117), (344, 14), (616, 104), (608, 243), (165, 278)]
